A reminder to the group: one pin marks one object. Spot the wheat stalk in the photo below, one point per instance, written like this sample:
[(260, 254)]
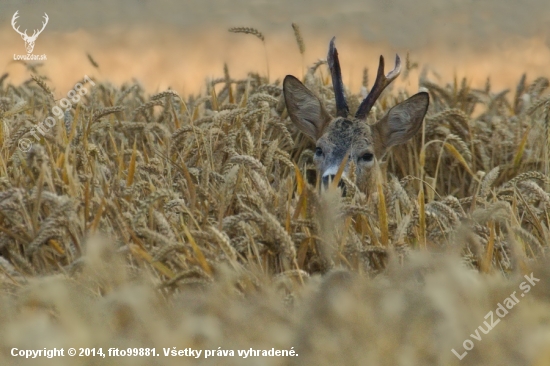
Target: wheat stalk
[(42, 84), (257, 34)]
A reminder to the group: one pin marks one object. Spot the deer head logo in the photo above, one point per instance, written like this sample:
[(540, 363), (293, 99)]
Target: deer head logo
[(29, 40)]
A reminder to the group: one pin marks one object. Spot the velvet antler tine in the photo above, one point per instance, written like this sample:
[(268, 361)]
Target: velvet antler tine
[(382, 81), (342, 109)]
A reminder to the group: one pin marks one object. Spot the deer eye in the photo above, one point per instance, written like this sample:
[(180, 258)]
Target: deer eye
[(366, 157), (318, 152)]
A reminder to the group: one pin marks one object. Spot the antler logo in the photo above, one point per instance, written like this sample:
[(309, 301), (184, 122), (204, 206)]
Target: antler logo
[(29, 40)]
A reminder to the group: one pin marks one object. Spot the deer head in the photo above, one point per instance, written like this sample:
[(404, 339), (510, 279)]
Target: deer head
[(335, 137), (29, 40)]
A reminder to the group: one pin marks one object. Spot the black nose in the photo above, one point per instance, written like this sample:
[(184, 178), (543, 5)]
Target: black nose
[(328, 179)]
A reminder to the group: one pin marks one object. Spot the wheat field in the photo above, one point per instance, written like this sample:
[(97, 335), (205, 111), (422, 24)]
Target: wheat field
[(195, 222)]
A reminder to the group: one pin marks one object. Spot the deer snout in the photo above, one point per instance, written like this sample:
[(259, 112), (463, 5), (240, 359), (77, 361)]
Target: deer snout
[(328, 179)]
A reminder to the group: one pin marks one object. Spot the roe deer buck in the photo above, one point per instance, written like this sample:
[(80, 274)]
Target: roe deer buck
[(344, 134)]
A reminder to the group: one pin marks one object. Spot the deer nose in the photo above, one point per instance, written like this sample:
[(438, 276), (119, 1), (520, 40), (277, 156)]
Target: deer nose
[(327, 179)]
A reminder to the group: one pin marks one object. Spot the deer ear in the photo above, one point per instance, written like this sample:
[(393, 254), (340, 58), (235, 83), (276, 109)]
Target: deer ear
[(304, 108), (401, 123)]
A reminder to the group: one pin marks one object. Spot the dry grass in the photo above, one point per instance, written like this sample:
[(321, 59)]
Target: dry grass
[(218, 237)]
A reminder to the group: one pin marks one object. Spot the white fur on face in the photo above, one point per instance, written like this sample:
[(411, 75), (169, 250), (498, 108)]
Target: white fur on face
[(332, 170)]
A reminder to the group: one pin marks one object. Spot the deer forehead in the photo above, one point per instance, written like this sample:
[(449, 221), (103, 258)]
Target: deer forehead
[(344, 134)]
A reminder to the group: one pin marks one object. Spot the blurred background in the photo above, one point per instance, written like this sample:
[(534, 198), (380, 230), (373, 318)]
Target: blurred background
[(178, 44)]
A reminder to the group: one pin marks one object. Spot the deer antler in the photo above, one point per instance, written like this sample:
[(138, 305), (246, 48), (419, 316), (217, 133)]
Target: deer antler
[(382, 81), (34, 35), (13, 19), (342, 109)]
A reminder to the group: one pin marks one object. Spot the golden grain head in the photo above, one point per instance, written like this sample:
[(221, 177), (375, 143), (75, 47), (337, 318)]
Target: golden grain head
[(248, 30), (299, 38)]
